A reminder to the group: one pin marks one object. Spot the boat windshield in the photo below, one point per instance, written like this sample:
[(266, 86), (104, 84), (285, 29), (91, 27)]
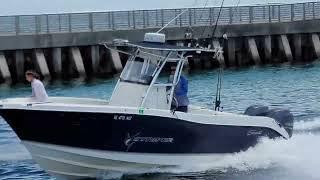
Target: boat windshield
[(140, 70)]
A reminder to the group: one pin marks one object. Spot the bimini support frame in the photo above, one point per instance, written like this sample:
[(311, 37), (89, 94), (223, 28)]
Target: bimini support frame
[(155, 79), (176, 79)]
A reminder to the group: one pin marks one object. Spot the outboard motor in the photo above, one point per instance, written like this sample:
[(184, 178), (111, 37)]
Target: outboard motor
[(257, 110), (283, 116)]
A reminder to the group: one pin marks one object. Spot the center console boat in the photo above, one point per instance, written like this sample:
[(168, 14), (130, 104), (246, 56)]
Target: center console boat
[(137, 129)]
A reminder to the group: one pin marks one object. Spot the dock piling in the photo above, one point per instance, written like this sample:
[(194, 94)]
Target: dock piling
[(57, 62), (316, 44), (116, 61), (297, 47), (19, 64), (77, 61), (95, 58), (253, 49), (4, 69), (231, 52), (285, 46), (41, 63), (267, 49)]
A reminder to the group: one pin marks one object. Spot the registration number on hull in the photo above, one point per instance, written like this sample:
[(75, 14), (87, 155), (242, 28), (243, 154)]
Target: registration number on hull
[(122, 117)]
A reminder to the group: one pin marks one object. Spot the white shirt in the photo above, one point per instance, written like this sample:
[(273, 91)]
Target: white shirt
[(39, 93)]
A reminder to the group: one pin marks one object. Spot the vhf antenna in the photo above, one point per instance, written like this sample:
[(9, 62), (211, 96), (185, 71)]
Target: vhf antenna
[(172, 20)]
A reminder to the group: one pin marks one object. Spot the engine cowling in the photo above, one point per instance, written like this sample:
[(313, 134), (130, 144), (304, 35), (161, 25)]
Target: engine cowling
[(283, 116)]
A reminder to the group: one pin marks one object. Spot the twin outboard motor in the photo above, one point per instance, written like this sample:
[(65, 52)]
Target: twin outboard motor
[(283, 116)]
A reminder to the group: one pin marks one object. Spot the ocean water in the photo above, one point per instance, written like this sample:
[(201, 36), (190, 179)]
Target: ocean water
[(296, 87)]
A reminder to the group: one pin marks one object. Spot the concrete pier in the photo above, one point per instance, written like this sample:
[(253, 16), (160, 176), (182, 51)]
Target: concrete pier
[(4, 69), (116, 61), (285, 46), (253, 49), (196, 62), (41, 63), (95, 59), (267, 49), (19, 64), (56, 62), (297, 47), (207, 63), (75, 45), (316, 44), (77, 61), (231, 52)]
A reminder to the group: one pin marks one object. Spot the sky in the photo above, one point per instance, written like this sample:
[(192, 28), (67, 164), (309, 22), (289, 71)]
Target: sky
[(25, 7)]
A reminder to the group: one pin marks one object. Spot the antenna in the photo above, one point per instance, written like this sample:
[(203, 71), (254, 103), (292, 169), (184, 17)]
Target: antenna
[(195, 2), (172, 20)]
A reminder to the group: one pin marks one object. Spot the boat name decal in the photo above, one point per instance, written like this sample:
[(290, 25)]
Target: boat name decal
[(122, 117), (254, 132), (131, 140), (153, 139)]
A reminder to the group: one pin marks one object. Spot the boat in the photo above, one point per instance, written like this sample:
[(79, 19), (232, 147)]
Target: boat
[(138, 129)]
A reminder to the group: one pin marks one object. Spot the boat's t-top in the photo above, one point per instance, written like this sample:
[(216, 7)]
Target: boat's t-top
[(140, 84)]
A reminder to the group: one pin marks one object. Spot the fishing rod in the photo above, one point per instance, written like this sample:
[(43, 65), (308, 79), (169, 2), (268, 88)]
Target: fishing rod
[(220, 73), (218, 92), (217, 103), (216, 24)]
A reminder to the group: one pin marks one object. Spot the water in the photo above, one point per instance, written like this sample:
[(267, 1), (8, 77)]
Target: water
[(294, 87)]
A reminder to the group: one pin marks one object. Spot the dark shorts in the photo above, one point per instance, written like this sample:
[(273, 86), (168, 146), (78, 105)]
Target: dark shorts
[(182, 109)]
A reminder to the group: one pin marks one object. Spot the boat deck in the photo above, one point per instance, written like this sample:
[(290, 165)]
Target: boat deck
[(87, 102)]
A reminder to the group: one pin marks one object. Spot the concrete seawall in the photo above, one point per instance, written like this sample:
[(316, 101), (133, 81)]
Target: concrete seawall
[(73, 54)]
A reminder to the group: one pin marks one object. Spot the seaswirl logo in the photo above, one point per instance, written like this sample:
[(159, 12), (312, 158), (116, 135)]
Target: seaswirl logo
[(254, 133), (131, 140)]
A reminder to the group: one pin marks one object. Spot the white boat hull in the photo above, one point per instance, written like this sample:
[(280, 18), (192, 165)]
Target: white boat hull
[(75, 163)]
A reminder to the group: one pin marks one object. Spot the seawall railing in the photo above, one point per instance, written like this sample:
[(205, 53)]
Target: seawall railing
[(141, 19)]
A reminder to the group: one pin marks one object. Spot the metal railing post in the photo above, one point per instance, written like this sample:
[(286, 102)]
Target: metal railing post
[(147, 18), (240, 14), (250, 14), (194, 16), (113, 21), (313, 13), (38, 24), (134, 19), (157, 18), (304, 11), (292, 12), (48, 24), (264, 13), (211, 16), (70, 23), (129, 20), (180, 18), (59, 22), (230, 15), (109, 20), (91, 28), (17, 25), (270, 17), (190, 17), (175, 14), (162, 18), (144, 19), (279, 14)]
